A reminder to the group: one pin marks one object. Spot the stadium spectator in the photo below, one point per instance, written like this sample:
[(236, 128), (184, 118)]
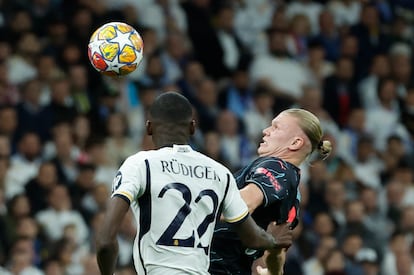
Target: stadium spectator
[(259, 114), (318, 66), (201, 30), (401, 67), (81, 130), (61, 108), (32, 116), (308, 8), (236, 96), (368, 259), (22, 258), (155, 74), (315, 264), (284, 74), (317, 181), (340, 95), (82, 97), (8, 117), (367, 87), (346, 13), (18, 208), (372, 40), (97, 155), (118, 144), (24, 164), (175, 55), (38, 188), (65, 159), (335, 197), (329, 35), (81, 188), (212, 147), (386, 114), (47, 71), (251, 19), (206, 104), (335, 263), (235, 145), (407, 114), (9, 94), (21, 66), (59, 215), (5, 152), (299, 33)]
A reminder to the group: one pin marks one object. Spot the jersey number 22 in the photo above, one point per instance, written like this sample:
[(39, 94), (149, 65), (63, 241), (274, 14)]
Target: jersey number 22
[(167, 238)]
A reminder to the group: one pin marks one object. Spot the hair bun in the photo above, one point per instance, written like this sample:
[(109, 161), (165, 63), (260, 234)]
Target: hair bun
[(324, 148)]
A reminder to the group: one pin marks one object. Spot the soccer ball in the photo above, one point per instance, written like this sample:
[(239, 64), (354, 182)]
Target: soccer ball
[(115, 49)]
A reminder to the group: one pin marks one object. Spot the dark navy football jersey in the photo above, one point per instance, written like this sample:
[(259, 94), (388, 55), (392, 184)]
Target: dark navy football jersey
[(279, 182)]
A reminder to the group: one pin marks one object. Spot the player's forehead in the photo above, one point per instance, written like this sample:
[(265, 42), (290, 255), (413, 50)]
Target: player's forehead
[(284, 119)]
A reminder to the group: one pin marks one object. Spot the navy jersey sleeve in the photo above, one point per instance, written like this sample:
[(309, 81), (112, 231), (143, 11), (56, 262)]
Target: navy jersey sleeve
[(293, 215), (272, 177)]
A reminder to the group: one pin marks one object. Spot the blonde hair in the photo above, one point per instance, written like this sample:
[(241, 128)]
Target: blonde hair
[(311, 126)]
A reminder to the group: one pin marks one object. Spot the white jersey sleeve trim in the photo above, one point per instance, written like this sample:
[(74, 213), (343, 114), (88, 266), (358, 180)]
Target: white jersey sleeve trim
[(237, 219), (124, 194)]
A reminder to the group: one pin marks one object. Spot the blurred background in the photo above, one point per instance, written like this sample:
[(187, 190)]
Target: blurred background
[(65, 129)]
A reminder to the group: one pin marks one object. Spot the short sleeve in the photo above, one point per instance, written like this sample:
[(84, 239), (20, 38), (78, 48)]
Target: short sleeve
[(128, 183), (235, 209), (272, 178)]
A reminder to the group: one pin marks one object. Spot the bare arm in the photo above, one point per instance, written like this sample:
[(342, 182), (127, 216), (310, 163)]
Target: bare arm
[(252, 196), (271, 263), (253, 236), (275, 260), (106, 242)]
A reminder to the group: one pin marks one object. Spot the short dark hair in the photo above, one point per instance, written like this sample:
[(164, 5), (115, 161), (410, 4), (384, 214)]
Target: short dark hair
[(262, 90), (382, 82), (171, 107)]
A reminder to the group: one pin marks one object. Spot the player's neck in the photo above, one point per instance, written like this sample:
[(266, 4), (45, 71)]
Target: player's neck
[(168, 142), (295, 160)]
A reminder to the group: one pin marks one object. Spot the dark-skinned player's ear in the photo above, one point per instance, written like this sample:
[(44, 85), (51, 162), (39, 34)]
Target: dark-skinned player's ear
[(192, 127), (148, 127)]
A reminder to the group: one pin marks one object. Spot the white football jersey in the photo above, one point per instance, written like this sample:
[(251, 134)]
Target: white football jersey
[(177, 195)]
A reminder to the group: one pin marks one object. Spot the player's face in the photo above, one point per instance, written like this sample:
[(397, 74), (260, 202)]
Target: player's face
[(279, 135)]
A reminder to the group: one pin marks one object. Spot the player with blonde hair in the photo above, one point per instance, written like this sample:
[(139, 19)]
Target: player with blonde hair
[(269, 186)]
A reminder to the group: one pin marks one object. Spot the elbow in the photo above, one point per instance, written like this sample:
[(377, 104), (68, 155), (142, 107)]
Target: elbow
[(104, 247), (251, 208), (103, 242), (251, 205)]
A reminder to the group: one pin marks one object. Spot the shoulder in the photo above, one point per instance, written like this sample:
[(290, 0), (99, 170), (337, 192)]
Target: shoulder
[(274, 167), (271, 162), (138, 158)]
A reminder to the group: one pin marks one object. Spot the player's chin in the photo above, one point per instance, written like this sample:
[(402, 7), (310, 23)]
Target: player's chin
[(261, 149)]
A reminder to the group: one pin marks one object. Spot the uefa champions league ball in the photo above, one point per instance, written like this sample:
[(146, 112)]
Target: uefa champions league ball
[(115, 49)]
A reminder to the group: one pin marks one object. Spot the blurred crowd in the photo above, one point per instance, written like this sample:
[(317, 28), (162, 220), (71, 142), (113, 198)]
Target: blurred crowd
[(65, 129)]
